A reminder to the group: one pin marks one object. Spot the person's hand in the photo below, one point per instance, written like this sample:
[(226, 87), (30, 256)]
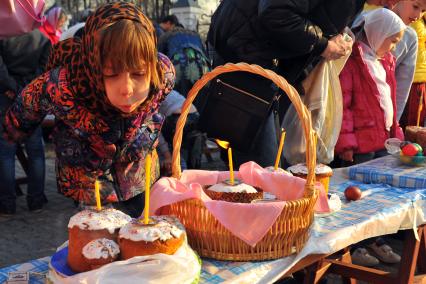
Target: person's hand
[(347, 155), (337, 47)]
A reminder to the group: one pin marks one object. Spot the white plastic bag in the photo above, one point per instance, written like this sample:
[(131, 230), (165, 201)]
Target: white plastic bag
[(182, 267), (323, 97)]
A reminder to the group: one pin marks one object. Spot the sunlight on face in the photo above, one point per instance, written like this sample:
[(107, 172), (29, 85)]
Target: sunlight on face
[(389, 44), (409, 10), (126, 90)]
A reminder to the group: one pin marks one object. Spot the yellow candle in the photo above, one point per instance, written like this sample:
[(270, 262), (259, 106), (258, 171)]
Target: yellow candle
[(98, 195), (148, 162), (280, 149), (419, 110), (231, 166)]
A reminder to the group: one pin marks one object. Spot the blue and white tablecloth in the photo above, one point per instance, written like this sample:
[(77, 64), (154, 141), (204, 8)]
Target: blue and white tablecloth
[(389, 170), (383, 210)]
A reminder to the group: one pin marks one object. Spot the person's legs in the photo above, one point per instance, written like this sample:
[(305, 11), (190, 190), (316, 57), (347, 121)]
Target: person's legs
[(36, 170), (7, 177), (265, 148), (194, 141), (383, 251), (361, 158)]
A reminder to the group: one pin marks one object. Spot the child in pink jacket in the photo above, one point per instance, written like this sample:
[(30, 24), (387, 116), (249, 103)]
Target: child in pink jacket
[(369, 88)]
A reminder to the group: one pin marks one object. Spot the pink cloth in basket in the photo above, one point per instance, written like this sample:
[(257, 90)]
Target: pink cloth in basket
[(249, 222), (283, 186)]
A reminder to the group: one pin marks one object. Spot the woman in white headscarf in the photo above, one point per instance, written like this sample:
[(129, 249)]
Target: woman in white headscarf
[(369, 88)]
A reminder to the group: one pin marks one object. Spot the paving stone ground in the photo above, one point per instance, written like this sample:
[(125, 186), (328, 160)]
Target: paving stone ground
[(27, 235)]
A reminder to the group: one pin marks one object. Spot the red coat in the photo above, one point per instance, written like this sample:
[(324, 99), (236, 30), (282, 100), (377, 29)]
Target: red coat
[(363, 126)]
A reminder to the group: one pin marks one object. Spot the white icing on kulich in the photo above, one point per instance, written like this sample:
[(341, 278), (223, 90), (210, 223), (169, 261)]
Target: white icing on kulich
[(279, 170), (101, 248), (109, 219), (165, 228), (302, 169), (241, 187)]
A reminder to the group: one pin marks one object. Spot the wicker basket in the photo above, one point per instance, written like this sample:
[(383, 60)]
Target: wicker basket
[(290, 231)]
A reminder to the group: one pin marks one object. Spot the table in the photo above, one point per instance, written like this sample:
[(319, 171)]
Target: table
[(385, 210), (388, 170)]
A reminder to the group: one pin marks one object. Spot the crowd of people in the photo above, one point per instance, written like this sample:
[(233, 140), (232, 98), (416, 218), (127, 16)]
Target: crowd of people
[(111, 85)]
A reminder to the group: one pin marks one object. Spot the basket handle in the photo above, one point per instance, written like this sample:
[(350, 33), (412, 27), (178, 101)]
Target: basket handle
[(293, 95)]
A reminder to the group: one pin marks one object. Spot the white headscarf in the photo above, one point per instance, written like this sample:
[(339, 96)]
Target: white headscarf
[(378, 25)]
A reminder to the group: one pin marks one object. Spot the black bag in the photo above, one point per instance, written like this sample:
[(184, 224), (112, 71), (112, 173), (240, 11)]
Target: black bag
[(236, 108)]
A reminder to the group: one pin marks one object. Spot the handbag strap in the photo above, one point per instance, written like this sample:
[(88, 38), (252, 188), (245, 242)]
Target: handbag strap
[(37, 18)]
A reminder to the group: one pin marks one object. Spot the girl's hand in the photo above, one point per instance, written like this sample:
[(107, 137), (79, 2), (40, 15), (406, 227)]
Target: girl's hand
[(347, 155)]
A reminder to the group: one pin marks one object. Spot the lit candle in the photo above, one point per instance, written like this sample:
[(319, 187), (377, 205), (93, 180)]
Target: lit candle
[(148, 162), (98, 195), (231, 166), (419, 110), (225, 145), (280, 149)]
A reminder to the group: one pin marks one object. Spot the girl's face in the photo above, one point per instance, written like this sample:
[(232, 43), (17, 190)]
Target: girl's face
[(389, 44), (61, 22), (126, 90), (409, 10)]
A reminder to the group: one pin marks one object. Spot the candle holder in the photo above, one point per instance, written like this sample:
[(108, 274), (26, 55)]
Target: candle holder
[(230, 182)]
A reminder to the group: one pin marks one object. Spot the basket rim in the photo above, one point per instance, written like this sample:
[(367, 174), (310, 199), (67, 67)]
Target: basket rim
[(302, 111)]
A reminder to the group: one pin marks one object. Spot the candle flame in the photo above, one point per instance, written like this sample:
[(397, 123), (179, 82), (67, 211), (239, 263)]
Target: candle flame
[(223, 144)]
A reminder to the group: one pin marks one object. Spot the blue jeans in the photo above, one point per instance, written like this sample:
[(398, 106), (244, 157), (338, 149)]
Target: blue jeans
[(265, 149), (36, 171)]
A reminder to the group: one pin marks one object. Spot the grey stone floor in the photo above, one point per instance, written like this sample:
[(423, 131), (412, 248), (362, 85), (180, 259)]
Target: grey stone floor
[(27, 235)]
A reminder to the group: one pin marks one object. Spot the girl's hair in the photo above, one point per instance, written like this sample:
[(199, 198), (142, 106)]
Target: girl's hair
[(127, 45)]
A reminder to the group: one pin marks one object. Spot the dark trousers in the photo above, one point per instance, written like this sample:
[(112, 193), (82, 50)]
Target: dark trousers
[(358, 159)]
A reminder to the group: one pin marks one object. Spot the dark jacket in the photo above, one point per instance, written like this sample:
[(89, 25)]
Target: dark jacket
[(22, 59), (295, 32)]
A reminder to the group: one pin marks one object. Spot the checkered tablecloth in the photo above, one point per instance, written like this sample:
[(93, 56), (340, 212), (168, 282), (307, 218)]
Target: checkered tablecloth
[(384, 210), (388, 170)]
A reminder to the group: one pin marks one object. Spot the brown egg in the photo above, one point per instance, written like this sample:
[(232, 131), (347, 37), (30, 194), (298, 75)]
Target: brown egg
[(353, 193)]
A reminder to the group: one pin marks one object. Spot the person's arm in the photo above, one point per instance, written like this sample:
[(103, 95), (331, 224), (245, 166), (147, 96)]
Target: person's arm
[(44, 57), (405, 68), (164, 155), (347, 141), (28, 110), (287, 21), (7, 82), (162, 43)]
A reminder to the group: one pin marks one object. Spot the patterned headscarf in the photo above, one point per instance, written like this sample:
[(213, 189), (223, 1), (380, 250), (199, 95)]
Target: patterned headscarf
[(81, 57)]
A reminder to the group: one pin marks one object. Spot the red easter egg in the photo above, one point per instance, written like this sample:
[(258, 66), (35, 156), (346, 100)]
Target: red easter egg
[(410, 150), (403, 144), (353, 193)]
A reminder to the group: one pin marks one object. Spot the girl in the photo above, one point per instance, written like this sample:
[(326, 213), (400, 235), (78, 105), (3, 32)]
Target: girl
[(418, 88), (369, 88), (104, 90), (55, 21), (369, 103)]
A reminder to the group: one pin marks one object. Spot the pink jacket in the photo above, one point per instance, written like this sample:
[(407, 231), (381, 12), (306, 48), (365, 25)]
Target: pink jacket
[(363, 126)]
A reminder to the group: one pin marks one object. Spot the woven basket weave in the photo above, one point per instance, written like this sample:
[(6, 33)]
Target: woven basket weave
[(290, 231)]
